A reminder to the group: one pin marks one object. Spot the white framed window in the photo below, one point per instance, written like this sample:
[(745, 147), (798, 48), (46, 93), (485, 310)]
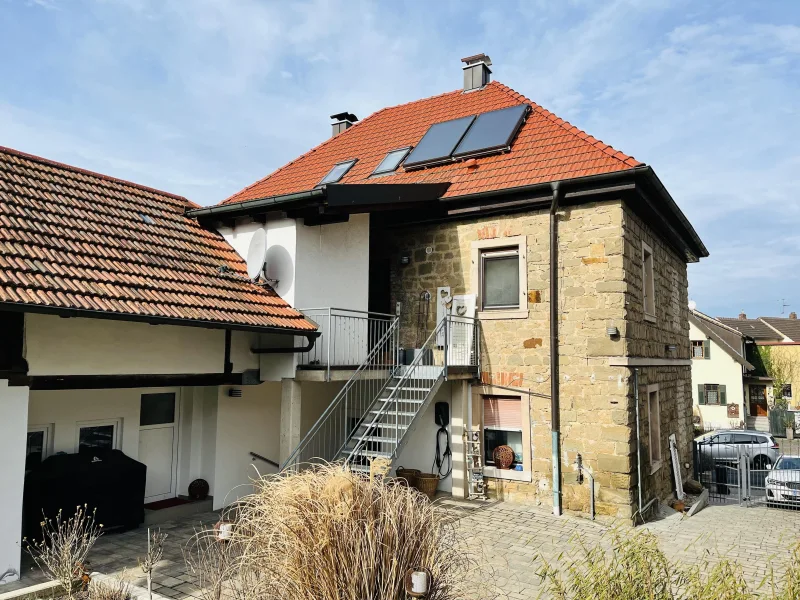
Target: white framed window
[(104, 435), (499, 277), (654, 426), (712, 393), (701, 349), (648, 283), (38, 445)]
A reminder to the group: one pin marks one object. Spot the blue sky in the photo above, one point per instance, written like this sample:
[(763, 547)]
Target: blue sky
[(203, 97)]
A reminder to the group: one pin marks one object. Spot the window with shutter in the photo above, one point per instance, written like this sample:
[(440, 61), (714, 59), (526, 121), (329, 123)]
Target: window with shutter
[(712, 393), (707, 349), (654, 425), (698, 349), (701, 393), (502, 425)]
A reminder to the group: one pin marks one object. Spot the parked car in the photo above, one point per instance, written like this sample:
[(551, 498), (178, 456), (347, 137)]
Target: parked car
[(783, 481), (725, 446)]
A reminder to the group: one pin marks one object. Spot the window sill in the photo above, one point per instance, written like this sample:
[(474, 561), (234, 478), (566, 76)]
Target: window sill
[(650, 318), (509, 474), (656, 466), (487, 315)]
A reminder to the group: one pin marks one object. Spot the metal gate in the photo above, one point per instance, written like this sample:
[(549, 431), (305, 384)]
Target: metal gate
[(735, 469)]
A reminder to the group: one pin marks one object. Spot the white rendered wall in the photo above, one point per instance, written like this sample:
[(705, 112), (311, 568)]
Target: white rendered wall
[(13, 430), (420, 449), (247, 424), (720, 369), (56, 346)]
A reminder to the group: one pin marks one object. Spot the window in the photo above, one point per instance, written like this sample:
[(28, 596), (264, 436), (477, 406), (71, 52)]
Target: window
[(102, 435), (701, 348), (157, 409), (648, 284), (786, 391), (500, 279), (37, 446), (338, 171), (391, 161), (654, 425), (502, 426), (743, 438), (712, 393)]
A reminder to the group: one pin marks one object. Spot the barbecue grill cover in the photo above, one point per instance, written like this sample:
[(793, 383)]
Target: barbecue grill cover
[(105, 480)]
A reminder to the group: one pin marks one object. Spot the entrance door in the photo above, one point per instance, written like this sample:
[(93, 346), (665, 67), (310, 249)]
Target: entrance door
[(158, 444), (758, 401)]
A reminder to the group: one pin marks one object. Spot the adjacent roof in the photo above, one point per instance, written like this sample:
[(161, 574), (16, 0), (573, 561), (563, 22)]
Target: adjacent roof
[(80, 243), (756, 329), (727, 338), (788, 327), (546, 149)]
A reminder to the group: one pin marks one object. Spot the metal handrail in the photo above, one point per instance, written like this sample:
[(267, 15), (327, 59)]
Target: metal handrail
[(348, 386), (265, 459), (393, 395), (369, 313)]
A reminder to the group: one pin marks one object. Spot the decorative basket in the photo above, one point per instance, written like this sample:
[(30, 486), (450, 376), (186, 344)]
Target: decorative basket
[(427, 484), (503, 457), (410, 475)]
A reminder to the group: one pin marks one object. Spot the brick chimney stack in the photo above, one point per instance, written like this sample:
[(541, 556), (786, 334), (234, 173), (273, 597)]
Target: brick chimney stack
[(742, 316)]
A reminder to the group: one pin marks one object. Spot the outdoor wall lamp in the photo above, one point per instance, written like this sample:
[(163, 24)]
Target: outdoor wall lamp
[(612, 331)]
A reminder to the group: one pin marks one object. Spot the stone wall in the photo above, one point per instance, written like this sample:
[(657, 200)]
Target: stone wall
[(596, 290)]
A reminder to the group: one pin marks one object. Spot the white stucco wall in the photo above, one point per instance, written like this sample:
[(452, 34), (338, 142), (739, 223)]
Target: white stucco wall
[(13, 428), (56, 346), (720, 369), (247, 424), (420, 449), (315, 398)]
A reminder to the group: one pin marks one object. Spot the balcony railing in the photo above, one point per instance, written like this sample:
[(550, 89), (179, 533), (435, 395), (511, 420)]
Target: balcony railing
[(347, 336)]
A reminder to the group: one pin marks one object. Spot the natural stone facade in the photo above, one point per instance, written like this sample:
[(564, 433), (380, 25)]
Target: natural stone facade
[(600, 285)]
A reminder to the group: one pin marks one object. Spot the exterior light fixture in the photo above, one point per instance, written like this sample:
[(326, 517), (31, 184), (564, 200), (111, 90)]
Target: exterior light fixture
[(670, 347), (405, 259), (235, 393), (612, 331), (418, 582)]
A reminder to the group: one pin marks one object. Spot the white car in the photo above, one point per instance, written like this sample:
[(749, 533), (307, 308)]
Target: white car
[(783, 480)]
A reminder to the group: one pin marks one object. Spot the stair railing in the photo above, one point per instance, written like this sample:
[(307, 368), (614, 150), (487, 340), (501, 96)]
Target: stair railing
[(348, 408)]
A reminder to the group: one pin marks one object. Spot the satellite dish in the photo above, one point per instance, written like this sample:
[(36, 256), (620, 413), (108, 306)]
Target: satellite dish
[(692, 304), (256, 254)]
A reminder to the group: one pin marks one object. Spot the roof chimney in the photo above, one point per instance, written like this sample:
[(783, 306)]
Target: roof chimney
[(344, 120), (793, 315), (742, 316), (476, 71)]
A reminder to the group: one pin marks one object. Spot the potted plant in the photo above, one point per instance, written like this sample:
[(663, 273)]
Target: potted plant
[(788, 422)]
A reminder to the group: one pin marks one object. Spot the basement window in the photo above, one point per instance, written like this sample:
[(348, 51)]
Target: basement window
[(502, 426), (338, 171), (648, 283)]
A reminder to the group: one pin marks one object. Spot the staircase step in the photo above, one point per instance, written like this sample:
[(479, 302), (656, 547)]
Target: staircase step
[(402, 400), (392, 413), (379, 425)]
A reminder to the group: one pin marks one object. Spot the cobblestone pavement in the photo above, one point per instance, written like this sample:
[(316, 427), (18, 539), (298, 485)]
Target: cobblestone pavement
[(513, 536)]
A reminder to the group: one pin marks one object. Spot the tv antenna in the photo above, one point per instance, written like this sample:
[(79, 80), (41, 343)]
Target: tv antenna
[(784, 305)]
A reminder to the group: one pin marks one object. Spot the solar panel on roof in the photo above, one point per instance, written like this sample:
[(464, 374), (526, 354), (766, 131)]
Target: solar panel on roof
[(492, 131), (337, 172), (439, 142)]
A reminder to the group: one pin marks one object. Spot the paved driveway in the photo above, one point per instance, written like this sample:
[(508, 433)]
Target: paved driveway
[(513, 536)]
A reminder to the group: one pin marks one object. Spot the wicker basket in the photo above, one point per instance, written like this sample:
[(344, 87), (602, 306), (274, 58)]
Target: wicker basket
[(410, 475), (427, 484)]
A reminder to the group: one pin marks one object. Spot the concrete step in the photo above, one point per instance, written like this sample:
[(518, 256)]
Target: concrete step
[(154, 517)]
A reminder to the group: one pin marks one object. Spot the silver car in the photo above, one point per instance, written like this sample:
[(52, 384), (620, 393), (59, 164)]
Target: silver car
[(725, 446), (783, 480)]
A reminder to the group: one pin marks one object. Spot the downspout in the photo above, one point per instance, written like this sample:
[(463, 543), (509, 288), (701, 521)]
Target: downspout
[(555, 417), (228, 367), (638, 441)]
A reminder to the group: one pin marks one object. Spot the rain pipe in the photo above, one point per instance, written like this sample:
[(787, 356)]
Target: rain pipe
[(555, 417)]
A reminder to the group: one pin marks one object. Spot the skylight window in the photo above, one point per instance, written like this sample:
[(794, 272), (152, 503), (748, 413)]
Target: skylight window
[(338, 171), (392, 160)]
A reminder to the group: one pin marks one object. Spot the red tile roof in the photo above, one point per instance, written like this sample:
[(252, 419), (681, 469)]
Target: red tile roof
[(546, 149), (75, 240)]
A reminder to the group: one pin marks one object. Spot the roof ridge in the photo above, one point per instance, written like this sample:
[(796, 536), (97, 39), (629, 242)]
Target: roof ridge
[(775, 329), (628, 160), (700, 314), (66, 167)]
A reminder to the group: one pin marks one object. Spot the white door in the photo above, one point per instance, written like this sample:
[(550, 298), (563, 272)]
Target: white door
[(158, 444)]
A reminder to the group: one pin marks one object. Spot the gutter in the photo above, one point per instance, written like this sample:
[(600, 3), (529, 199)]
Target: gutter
[(248, 205), (311, 337), (555, 414)]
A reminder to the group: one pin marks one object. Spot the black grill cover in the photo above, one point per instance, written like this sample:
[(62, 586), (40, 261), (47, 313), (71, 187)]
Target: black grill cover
[(105, 480)]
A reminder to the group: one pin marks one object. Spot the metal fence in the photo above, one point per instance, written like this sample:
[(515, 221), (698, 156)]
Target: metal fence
[(749, 468)]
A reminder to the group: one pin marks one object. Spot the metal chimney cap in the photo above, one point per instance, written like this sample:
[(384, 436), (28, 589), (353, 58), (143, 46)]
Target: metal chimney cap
[(477, 58), (345, 116)]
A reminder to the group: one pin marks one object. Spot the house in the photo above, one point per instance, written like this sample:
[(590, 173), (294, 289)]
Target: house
[(718, 368), (437, 280), (774, 348)]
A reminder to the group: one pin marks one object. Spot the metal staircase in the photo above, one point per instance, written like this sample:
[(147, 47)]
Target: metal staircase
[(376, 411)]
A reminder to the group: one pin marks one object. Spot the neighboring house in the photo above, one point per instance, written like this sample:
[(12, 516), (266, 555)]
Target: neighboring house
[(774, 348), (718, 368), (534, 277)]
